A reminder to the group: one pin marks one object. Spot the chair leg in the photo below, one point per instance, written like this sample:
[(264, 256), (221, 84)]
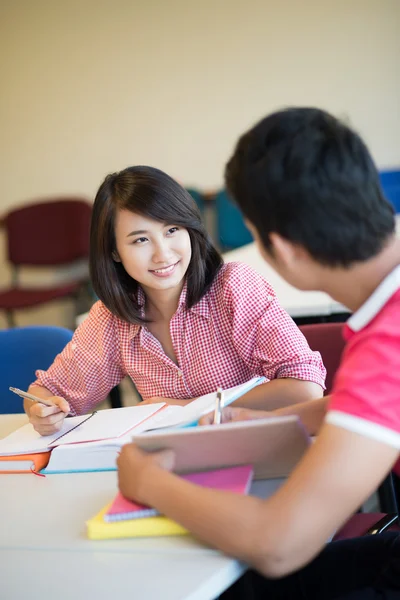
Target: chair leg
[(115, 397), (10, 319)]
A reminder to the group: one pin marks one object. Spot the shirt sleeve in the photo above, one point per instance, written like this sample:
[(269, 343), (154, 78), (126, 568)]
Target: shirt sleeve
[(263, 333), (89, 366), (365, 397)]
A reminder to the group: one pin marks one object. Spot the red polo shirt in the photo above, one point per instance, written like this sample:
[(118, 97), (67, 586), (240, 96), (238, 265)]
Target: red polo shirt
[(366, 393)]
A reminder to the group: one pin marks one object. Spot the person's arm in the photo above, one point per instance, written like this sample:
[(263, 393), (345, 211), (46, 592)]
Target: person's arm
[(170, 401), (311, 413), (91, 364), (83, 373), (278, 535), (278, 393)]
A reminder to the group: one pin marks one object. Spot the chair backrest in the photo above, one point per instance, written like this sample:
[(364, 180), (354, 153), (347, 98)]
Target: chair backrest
[(22, 351), (197, 197), (231, 230), (49, 233), (327, 339), (390, 181)]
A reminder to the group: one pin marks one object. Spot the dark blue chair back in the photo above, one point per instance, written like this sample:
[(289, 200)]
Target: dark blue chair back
[(231, 230), (390, 181), (23, 350)]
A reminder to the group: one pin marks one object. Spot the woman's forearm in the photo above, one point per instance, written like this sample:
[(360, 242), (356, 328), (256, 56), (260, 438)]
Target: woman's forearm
[(279, 393)]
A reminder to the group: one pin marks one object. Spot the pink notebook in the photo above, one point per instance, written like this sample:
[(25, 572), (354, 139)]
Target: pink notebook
[(233, 479)]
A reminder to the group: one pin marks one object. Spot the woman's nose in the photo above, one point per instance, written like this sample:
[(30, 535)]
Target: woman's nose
[(162, 252)]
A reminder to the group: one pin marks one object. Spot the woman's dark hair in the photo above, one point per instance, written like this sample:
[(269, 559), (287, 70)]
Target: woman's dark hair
[(151, 193), (308, 177)]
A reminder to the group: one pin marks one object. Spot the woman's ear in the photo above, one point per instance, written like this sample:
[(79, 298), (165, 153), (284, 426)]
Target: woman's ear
[(115, 256)]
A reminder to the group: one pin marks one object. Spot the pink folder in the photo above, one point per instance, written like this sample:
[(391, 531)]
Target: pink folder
[(233, 479)]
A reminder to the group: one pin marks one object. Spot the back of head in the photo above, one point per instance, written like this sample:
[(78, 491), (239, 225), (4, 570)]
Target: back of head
[(308, 177)]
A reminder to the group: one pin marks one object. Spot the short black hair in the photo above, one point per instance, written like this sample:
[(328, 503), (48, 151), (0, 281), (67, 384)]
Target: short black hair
[(303, 174), (153, 194)]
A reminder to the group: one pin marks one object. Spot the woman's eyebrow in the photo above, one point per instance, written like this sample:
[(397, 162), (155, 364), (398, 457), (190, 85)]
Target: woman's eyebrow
[(136, 232)]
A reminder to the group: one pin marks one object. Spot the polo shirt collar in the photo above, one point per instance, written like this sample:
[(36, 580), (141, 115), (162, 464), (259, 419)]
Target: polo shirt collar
[(376, 301)]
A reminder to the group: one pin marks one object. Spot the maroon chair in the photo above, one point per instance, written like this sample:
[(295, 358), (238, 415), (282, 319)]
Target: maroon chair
[(327, 338), (45, 234)]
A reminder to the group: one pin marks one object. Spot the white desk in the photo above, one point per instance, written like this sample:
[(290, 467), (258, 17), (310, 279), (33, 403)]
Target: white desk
[(296, 302), (44, 552)]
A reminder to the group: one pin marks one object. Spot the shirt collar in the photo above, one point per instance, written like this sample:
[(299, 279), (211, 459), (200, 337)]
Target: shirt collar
[(201, 307), (376, 301)]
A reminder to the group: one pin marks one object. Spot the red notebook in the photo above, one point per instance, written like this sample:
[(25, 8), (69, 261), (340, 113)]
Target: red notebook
[(233, 479)]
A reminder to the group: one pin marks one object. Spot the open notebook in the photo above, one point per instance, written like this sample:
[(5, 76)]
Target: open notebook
[(25, 449), (123, 518), (91, 442)]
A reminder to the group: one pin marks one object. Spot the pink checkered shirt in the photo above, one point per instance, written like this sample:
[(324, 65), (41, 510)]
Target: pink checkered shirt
[(236, 331)]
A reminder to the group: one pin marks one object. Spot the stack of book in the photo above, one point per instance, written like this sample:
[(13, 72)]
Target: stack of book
[(123, 518)]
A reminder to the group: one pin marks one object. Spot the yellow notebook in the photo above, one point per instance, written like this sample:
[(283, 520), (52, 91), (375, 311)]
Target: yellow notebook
[(98, 529)]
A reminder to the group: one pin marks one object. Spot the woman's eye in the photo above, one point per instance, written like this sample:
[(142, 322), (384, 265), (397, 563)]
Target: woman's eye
[(140, 240), (172, 230)]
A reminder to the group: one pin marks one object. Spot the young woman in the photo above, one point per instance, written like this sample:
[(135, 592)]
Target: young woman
[(171, 316)]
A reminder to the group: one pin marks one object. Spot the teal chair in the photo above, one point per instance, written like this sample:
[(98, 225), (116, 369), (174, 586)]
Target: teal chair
[(231, 230), (23, 350), (198, 198)]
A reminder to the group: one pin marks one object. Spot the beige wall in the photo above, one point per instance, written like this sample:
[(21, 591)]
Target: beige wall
[(91, 86)]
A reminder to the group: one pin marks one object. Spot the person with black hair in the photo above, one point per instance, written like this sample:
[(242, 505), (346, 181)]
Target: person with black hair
[(310, 193), (171, 316)]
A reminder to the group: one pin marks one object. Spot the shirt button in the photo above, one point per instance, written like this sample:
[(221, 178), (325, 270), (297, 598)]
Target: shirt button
[(180, 373)]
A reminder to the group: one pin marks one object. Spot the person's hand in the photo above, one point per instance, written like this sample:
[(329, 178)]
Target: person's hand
[(233, 413), (133, 463), (47, 420), (159, 400)]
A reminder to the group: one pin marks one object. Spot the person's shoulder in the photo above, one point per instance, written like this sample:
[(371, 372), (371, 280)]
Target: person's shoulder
[(388, 317), (99, 311), (101, 317), (375, 347), (385, 324), (238, 284), (238, 273)]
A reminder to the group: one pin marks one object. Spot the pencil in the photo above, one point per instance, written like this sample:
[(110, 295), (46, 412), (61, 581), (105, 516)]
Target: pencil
[(218, 407), (31, 397)]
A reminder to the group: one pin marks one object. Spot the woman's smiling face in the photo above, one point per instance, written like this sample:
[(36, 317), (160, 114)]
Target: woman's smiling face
[(154, 254)]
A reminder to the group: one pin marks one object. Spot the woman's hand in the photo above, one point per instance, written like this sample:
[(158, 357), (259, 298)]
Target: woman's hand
[(232, 413), (47, 420), (134, 464)]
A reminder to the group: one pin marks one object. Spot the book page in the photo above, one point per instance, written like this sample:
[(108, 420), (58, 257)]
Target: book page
[(26, 440), (109, 424), (193, 411)]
